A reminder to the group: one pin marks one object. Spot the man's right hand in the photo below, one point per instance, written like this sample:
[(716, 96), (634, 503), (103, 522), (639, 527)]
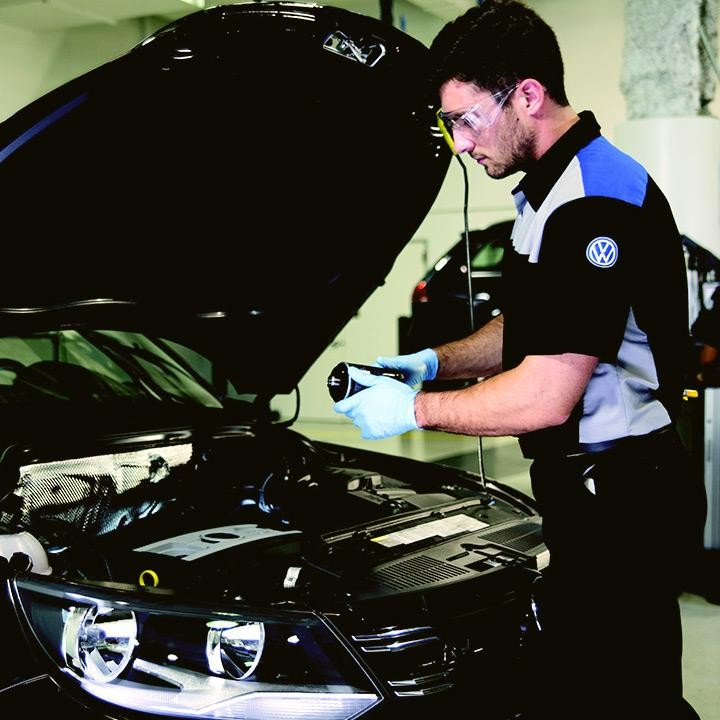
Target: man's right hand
[(416, 367)]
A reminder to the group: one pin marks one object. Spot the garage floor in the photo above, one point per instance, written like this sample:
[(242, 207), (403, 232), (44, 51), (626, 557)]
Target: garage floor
[(502, 461)]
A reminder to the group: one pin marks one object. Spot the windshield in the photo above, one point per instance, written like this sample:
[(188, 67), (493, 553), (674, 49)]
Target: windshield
[(97, 367)]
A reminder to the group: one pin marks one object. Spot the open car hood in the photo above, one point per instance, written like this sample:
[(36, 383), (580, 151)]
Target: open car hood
[(240, 182)]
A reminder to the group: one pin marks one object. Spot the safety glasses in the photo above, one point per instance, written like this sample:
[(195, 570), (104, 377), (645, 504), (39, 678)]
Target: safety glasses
[(475, 119)]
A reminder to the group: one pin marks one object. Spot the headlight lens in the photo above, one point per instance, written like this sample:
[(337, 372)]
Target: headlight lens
[(98, 642), (144, 654), (233, 649)]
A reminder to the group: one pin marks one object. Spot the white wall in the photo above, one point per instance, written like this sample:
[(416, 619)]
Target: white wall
[(31, 64), (23, 61)]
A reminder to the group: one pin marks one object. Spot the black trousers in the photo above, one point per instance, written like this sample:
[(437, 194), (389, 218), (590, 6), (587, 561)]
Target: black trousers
[(623, 527)]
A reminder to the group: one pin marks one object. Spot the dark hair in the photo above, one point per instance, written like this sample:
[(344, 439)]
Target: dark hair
[(495, 45)]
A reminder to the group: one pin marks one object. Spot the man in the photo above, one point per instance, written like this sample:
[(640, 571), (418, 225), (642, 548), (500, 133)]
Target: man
[(585, 366)]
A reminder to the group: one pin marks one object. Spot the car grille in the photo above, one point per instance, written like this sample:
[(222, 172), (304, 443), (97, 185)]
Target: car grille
[(446, 635), (408, 643)]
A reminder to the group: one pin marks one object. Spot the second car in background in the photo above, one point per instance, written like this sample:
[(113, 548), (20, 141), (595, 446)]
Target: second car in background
[(440, 311)]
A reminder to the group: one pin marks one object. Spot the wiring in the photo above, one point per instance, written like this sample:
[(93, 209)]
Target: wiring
[(471, 308)]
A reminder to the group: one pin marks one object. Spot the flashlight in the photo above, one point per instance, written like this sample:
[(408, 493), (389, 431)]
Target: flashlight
[(341, 385)]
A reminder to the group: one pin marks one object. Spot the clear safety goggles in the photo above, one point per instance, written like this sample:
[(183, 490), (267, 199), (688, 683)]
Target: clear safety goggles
[(475, 119)]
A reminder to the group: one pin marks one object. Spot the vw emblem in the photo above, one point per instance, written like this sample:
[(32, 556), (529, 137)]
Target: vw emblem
[(602, 252)]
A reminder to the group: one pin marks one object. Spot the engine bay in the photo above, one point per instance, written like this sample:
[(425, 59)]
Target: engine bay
[(264, 517), (426, 574)]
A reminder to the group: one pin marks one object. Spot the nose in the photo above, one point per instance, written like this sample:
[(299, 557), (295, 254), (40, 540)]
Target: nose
[(462, 142)]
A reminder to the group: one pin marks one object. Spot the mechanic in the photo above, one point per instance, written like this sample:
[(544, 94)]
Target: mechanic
[(585, 366)]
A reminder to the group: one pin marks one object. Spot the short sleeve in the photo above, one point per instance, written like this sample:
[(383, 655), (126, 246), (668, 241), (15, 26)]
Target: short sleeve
[(582, 284)]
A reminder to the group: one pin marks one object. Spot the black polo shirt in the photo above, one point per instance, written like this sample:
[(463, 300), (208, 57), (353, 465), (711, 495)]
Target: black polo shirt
[(597, 268)]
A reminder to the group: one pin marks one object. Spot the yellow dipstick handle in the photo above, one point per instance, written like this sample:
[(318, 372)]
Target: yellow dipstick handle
[(149, 578), (689, 393)]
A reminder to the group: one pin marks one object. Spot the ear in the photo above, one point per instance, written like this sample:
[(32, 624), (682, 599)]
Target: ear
[(531, 96)]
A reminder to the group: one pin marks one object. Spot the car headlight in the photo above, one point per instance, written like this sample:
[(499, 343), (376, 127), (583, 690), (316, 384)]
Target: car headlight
[(98, 642), (142, 651)]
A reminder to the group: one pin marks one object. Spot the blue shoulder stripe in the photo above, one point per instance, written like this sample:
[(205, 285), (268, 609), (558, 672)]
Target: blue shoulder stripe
[(609, 172)]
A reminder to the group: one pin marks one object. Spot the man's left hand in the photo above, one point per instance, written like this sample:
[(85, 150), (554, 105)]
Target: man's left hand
[(385, 408)]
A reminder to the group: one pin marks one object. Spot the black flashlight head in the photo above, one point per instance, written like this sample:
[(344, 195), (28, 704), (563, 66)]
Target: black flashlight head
[(341, 385)]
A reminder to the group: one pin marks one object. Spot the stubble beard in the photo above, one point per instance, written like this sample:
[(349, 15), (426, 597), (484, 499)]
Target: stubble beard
[(520, 145)]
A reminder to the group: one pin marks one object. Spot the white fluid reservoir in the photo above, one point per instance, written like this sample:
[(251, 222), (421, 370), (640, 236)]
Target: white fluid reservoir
[(24, 542), (683, 156)]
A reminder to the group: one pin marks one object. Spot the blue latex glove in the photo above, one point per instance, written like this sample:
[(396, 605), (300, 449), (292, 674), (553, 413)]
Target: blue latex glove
[(419, 366), (385, 408)]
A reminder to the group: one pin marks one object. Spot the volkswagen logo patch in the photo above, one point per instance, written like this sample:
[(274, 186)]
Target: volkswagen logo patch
[(602, 252)]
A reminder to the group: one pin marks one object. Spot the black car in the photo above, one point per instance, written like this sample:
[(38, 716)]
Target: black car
[(440, 311), (168, 547)]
